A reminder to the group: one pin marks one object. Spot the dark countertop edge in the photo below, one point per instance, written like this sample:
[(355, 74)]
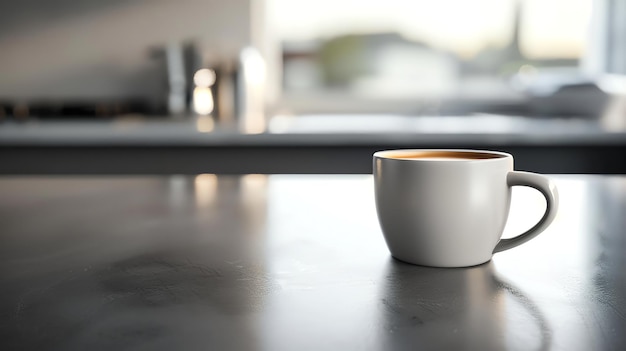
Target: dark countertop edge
[(313, 140)]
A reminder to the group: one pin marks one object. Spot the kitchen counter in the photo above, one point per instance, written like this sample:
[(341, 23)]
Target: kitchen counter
[(293, 262), (305, 144)]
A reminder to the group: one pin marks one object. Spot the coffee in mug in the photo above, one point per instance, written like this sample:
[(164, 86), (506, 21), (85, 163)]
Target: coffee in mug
[(448, 208)]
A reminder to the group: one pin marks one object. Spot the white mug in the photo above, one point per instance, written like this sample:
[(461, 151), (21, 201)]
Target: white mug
[(448, 208)]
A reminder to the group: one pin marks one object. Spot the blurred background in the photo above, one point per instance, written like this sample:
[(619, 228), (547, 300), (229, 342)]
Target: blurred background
[(304, 86)]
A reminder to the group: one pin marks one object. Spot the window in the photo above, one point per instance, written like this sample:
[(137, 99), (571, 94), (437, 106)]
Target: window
[(426, 57)]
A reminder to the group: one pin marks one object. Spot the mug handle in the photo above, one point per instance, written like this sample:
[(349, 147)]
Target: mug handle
[(548, 189)]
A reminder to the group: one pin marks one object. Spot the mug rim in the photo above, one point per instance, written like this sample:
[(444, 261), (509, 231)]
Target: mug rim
[(491, 155)]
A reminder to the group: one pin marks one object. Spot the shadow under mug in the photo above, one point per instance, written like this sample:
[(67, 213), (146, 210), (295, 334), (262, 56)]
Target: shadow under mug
[(448, 208)]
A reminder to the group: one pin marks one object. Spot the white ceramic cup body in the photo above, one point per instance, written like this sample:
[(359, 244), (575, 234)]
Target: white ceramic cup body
[(449, 213)]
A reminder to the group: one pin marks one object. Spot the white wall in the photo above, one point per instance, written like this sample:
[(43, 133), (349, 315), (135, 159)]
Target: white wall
[(104, 51)]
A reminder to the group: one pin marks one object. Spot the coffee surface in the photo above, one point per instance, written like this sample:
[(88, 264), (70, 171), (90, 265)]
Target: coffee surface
[(443, 156)]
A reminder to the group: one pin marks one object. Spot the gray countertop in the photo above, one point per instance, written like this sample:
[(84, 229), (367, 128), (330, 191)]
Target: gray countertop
[(324, 130), (292, 263), (304, 144)]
